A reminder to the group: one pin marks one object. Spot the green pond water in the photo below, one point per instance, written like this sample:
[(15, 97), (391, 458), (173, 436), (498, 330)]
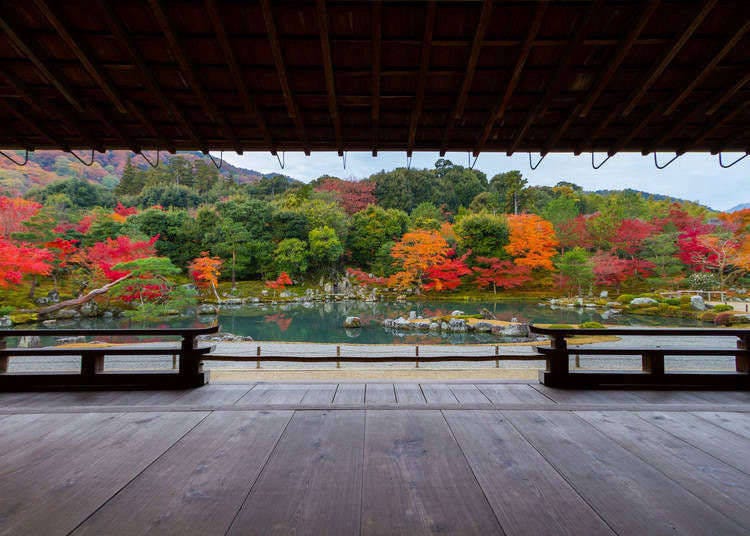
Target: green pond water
[(323, 322)]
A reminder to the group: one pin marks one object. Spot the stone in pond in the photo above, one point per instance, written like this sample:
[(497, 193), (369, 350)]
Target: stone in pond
[(643, 301), (352, 322), (697, 303)]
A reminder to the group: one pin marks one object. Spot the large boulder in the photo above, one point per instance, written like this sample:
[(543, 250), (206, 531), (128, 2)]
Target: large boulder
[(512, 330), (352, 322), (90, 309), (457, 313), (457, 325), (207, 309), (483, 327), (697, 303), (643, 301), (5, 322)]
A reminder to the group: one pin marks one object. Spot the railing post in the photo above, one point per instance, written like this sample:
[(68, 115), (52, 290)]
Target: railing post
[(338, 354), (191, 369), (497, 352), (257, 363), (416, 353), (558, 366), (4, 358), (742, 362), (653, 363), (92, 363)]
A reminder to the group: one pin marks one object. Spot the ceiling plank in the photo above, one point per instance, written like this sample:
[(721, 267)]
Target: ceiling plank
[(485, 17), (553, 86), (165, 23), (325, 47), (278, 58), (248, 100), (424, 64), (499, 111)]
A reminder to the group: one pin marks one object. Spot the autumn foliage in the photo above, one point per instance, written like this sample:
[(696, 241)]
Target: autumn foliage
[(414, 254), (205, 271), (105, 255), (14, 211), (495, 273), (17, 261), (281, 282), (532, 241)]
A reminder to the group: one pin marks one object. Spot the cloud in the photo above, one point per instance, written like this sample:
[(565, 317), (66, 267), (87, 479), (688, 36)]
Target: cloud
[(694, 176)]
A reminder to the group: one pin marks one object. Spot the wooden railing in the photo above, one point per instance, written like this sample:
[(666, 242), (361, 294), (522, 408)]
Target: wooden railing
[(652, 373), (185, 351)]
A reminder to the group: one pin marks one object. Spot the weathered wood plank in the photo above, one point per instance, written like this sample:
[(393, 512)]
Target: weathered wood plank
[(439, 394), (739, 423), (319, 394), (629, 494), (274, 393), (417, 480), (312, 482), (526, 493), (468, 395), (199, 485), (56, 485), (214, 395), (670, 397), (513, 394), (380, 393), (716, 441), (721, 486), (579, 396), (409, 394), (349, 394)]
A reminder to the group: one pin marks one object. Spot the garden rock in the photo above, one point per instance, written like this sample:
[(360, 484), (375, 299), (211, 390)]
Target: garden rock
[(352, 322), (5, 322), (697, 303), (207, 309), (643, 301)]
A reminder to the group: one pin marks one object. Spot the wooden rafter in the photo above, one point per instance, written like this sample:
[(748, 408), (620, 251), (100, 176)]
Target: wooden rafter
[(124, 38), (377, 37), (499, 111), (716, 125), (278, 58), (709, 67), (655, 72), (471, 65), (325, 48), (165, 23), (32, 125), (248, 100), (553, 86), (424, 65), (668, 57), (583, 108)]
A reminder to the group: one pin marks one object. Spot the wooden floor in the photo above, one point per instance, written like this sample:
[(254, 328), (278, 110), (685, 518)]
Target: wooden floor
[(375, 458)]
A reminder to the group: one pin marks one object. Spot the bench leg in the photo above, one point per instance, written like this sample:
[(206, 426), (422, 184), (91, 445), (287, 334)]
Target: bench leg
[(653, 362), (742, 362), (3, 364), (191, 370), (92, 363)]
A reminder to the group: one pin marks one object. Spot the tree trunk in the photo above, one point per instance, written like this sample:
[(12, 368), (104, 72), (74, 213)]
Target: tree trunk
[(80, 300), (234, 257)]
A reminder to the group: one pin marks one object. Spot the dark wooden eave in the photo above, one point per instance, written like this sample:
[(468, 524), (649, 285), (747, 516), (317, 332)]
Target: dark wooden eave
[(355, 75)]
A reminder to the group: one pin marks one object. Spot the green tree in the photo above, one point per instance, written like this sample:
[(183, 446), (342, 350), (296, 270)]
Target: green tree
[(132, 181), (485, 234), (575, 265), (291, 256), (370, 229), (171, 195), (325, 247), (426, 216), (180, 237), (511, 188)]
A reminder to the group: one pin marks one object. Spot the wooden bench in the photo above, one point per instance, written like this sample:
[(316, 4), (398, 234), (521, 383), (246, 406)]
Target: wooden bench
[(186, 352), (652, 373)]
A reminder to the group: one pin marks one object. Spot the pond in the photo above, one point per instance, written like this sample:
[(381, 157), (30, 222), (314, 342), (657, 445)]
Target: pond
[(323, 322)]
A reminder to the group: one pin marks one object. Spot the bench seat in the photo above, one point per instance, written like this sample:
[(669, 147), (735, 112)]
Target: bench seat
[(664, 350), (106, 350)]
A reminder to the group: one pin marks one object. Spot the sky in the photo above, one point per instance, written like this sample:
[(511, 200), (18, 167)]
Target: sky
[(694, 176)]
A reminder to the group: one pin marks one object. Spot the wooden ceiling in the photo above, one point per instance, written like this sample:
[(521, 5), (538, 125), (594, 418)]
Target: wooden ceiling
[(571, 76)]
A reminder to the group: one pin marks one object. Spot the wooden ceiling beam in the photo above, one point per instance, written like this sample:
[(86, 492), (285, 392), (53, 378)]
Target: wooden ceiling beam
[(124, 39), (669, 55), (471, 64), (278, 58), (248, 100), (424, 64), (553, 86), (377, 37), (499, 111), (165, 23), (709, 67), (23, 117), (325, 49), (716, 125)]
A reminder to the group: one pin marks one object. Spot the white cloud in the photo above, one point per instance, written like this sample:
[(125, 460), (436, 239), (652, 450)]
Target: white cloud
[(694, 176)]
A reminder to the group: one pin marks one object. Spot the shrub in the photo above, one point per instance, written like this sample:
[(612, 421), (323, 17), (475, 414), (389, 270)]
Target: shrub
[(673, 301), (684, 300), (702, 281), (592, 325), (723, 319), (708, 316), (560, 326), (722, 308), (625, 298), (651, 295), (6, 310)]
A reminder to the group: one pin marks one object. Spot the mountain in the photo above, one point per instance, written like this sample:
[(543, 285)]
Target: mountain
[(648, 195), (46, 167), (741, 206)]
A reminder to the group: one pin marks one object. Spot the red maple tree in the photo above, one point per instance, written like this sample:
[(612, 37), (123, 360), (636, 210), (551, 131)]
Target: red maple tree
[(447, 274), (13, 212), (16, 261), (352, 195), (499, 273), (105, 255)]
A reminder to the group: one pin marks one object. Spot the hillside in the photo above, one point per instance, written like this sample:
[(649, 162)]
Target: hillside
[(648, 195), (46, 167), (741, 206)]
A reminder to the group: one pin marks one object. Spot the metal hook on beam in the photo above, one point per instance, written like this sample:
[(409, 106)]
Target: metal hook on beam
[(593, 165), (343, 156), (726, 166), (656, 161), (87, 164), (282, 163), (213, 160), (408, 161), (468, 159), (25, 160), (532, 166), (149, 162)]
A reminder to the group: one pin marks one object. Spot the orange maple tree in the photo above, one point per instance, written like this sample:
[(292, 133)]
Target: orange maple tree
[(532, 241), (205, 271), (415, 253)]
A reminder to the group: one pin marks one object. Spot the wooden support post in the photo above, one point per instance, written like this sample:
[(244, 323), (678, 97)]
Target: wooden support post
[(338, 354), (257, 363), (497, 352), (92, 363), (578, 361), (653, 362), (416, 353), (742, 362), (174, 361), (3, 359)]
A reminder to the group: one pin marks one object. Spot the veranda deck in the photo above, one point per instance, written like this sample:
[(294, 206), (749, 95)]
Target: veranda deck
[(375, 458)]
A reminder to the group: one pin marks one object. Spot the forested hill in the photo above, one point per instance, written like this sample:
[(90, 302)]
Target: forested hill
[(645, 195), (46, 167)]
